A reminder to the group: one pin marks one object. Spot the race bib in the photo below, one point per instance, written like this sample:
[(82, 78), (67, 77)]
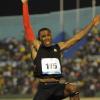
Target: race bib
[(50, 66)]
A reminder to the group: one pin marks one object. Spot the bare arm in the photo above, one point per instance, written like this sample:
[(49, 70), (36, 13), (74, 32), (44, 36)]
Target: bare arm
[(79, 35)]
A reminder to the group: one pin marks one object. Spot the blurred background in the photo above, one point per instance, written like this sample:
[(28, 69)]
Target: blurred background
[(81, 63)]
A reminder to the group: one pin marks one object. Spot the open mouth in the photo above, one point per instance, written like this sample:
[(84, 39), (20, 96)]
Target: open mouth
[(47, 41)]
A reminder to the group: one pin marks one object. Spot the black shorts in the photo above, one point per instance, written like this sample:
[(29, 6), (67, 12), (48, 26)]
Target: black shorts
[(50, 91)]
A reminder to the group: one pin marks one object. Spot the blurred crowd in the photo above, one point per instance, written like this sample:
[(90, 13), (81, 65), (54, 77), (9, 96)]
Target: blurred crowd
[(16, 67)]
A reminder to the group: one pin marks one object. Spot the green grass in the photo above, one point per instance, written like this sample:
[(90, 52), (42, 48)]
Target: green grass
[(32, 99)]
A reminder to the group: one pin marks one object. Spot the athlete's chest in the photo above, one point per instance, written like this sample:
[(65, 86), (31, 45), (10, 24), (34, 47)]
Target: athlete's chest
[(49, 53)]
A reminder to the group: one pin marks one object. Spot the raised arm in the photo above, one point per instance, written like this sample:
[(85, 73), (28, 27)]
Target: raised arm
[(29, 34), (79, 35)]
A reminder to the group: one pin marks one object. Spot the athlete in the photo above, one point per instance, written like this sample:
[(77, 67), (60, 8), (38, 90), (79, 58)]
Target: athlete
[(47, 59)]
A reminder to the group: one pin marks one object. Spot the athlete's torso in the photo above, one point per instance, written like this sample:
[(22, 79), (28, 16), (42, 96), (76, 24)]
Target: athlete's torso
[(48, 62)]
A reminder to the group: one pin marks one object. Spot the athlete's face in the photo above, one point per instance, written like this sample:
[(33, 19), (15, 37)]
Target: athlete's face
[(46, 38)]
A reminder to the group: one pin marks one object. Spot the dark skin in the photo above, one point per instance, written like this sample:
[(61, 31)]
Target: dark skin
[(45, 38)]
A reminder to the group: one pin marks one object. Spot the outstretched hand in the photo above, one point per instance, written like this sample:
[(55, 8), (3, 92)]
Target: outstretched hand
[(24, 1), (96, 20)]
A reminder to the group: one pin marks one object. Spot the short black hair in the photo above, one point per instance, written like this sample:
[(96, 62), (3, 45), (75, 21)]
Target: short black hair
[(42, 29)]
